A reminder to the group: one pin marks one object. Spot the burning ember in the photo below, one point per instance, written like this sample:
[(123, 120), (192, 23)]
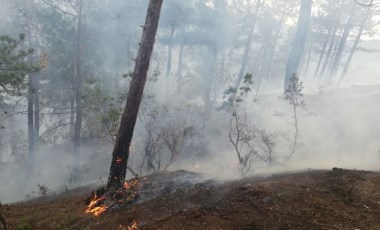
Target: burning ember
[(132, 184), (133, 226), (101, 201), (118, 160)]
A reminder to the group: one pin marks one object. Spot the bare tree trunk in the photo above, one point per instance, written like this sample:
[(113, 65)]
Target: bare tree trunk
[(78, 86), (330, 51), (31, 122), (222, 65), (31, 92), (179, 68), (357, 40), (169, 65), (272, 51), (330, 36), (259, 4), (120, 152), (322, 53), (260, 68), (210, 77), (36, 112), (72, 108), (307, 63), (299, 43), (342, 45)]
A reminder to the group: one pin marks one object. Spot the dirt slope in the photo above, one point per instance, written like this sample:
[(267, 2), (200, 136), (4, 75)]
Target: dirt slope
[(337, 199)]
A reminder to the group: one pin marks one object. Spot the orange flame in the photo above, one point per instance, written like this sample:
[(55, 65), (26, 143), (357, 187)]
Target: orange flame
[(95, 208), (128, 193), (133, 226), (133, 183), (118, 160)]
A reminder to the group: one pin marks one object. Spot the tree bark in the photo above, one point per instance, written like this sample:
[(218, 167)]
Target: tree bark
[(78, 87), (120, 152), (299, 43)]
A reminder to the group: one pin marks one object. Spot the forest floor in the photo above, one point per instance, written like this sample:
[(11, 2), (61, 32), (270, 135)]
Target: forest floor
[(335, 199)]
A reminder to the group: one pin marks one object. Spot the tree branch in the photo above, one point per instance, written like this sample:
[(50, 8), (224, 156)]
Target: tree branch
[(59, 9), (363, 4)]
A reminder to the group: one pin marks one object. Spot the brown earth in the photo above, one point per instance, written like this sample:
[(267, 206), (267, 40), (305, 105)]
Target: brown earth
[(337, 199)]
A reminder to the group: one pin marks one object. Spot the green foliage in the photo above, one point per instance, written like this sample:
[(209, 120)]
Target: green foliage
[(235, 96), (248, 82), (13, 67), (294, 94)]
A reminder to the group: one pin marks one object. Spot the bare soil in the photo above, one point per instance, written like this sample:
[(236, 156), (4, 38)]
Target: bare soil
[(335, 199)]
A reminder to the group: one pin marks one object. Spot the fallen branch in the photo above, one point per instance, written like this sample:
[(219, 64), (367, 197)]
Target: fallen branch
[(2, 218)]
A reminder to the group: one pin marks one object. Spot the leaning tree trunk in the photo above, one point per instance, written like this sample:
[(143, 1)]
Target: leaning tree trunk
[(120, 152), (330, 52), (78, 88), (357, 40), (299, 41), (330, 35), (341, 46)]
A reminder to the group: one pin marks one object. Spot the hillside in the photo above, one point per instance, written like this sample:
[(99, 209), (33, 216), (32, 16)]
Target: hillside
[(337, 199)]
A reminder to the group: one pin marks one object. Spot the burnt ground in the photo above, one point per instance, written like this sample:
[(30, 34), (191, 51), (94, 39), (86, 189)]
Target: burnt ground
[(336, 199)]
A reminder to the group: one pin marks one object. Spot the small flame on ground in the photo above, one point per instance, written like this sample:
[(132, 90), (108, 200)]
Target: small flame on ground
[(133, 226), (195, 167), (95, 207), (126, 194), (131, 184)]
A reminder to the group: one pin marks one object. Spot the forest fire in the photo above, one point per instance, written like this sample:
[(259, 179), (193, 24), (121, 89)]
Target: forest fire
[(102, 201)]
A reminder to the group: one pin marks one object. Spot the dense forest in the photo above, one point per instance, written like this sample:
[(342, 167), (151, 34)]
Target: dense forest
[(234, 88)]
